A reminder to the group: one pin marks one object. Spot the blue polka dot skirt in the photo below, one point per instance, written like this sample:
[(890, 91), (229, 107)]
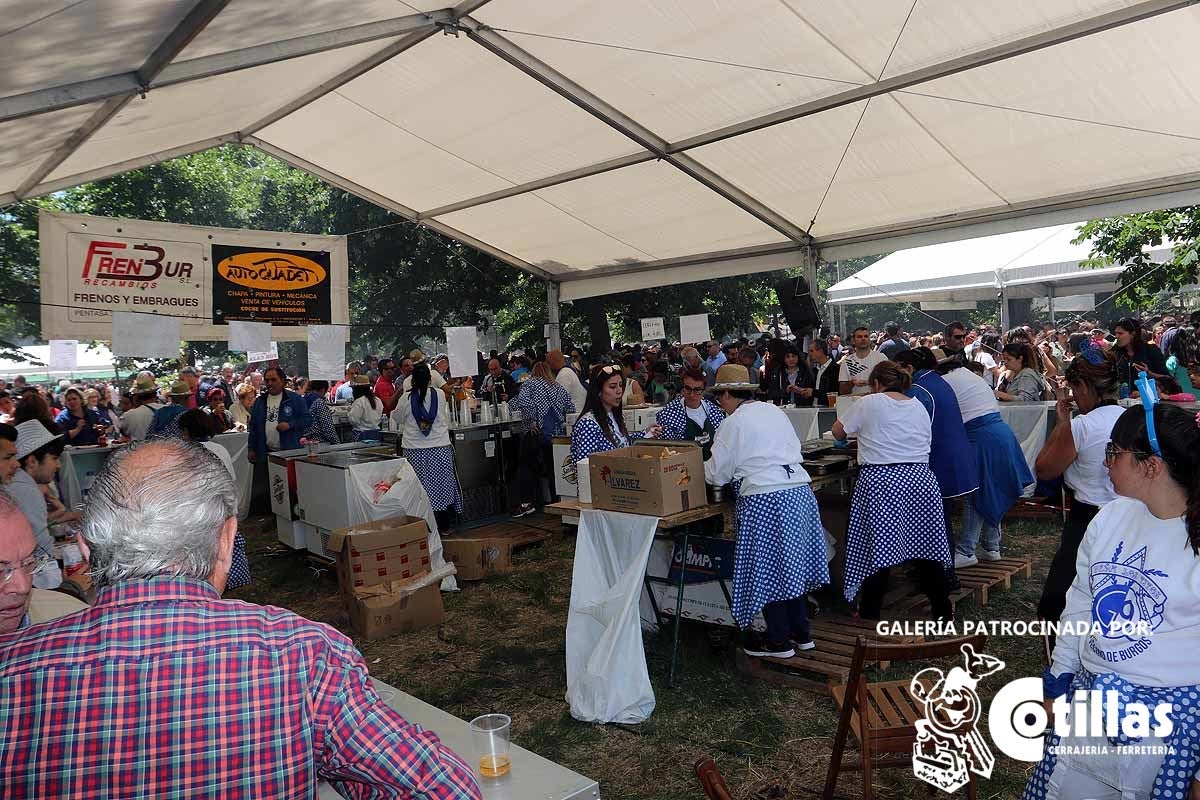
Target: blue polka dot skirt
[(435, 469), (1179, 763), (895, 515), (239, 570), (780, 550)]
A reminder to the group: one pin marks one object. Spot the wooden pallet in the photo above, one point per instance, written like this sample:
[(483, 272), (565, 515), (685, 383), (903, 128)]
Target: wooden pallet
[(975, 583), (517, 532), (828, 663)]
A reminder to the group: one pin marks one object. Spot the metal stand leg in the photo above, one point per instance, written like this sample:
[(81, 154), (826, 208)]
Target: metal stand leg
[(678, 610)]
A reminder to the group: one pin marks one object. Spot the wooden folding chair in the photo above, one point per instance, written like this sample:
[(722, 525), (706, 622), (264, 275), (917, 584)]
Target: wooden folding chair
[(887, 731)]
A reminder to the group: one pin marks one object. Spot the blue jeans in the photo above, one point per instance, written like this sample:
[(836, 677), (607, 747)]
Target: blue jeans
[(975, 528)]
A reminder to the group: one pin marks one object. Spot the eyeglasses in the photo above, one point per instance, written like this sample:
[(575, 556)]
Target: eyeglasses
[(1111, 451), (31, 566), (693, 389)]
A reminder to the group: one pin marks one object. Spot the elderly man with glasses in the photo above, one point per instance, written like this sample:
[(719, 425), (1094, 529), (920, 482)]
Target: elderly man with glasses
[(21, 605), (164, 689)]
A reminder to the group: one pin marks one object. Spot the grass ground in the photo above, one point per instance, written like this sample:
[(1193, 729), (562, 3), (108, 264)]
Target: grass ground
[(502, 649)]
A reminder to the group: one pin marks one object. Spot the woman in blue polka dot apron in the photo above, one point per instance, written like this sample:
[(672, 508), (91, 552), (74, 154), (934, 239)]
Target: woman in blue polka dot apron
[(421, 416), (779, 556), (896, 513), (1136, 595), (601, 425)]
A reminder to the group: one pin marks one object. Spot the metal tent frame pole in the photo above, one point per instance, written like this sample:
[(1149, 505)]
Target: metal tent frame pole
[(553, 318)]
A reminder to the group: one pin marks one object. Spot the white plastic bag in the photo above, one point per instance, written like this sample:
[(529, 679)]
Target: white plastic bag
[(407, 496), (607, 678)]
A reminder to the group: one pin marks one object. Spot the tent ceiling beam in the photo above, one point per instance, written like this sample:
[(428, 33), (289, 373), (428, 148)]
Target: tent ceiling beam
[(543, 183), (109, 170), (1169, 192), (385, 202), (202, 13), (159, 71), (361, 68), (990, 55), (625, 125)]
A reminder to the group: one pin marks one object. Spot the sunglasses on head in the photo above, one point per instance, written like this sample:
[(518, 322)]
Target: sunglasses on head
[(609, 370)]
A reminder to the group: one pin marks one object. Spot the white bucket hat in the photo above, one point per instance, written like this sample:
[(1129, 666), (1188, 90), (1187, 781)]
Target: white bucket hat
[(32, 435)]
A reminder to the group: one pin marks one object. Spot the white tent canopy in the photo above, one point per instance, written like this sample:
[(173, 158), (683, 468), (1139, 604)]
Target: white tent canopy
[(1037, 263), (608, 145)]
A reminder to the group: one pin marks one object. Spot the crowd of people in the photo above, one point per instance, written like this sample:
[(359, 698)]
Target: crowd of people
[(939, 468)]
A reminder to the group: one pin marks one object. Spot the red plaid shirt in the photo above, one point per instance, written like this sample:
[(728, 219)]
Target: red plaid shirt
[(164, 689)]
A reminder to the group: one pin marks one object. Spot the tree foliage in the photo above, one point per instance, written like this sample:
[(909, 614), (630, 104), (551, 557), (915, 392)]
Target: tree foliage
[(1127, 239)]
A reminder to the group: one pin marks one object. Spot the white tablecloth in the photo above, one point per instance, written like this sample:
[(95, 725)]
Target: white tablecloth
[(1029, 421)]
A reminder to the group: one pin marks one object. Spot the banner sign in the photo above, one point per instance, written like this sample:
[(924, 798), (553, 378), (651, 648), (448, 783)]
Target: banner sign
[(94, 266), (287, 287)]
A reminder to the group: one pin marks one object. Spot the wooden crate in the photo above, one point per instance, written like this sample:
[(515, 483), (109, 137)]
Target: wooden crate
[(976, 583), (829, 663)]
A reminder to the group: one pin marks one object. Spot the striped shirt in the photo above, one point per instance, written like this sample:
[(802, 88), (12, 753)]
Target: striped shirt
[(163, 689)]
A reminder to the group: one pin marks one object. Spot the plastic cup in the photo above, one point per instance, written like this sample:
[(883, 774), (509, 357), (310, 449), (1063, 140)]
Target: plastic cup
[(831, 399), (490, 735)]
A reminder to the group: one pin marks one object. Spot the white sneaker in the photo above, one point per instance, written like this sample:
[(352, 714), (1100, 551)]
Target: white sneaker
[(961, 561), (990, 555)]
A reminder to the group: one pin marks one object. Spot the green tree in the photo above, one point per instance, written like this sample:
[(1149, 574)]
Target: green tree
[(1126, 240)]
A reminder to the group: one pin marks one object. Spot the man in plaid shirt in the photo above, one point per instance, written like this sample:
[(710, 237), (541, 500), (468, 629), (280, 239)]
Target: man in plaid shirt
[(163, 689)]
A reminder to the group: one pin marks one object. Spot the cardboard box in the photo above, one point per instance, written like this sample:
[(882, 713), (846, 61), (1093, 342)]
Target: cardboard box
[(387, 609), (476, 557), (381, 552), (638, 480)]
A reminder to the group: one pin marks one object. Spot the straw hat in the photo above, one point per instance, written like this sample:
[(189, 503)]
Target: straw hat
[(180, 389), (733, 377), (361, 380), (417, 356), (32, 436)]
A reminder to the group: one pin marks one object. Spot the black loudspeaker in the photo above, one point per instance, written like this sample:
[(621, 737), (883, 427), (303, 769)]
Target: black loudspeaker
[(798, 304)]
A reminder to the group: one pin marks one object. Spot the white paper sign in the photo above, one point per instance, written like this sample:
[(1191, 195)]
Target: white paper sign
[(326, 352), (62, 355), (693, 329), (249, 337), (653, 329), (146, 335), (463, 348), (266, 355)]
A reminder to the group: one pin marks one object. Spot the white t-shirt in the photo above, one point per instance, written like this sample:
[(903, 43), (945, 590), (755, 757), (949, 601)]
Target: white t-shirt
[(754, 444), (854, 368), (410, 431), (272, 433), (1132, 562), (364, 416), (890, 431), (1087, 475), (567, 378), (989, 366), (975, 397), (696, 415)]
